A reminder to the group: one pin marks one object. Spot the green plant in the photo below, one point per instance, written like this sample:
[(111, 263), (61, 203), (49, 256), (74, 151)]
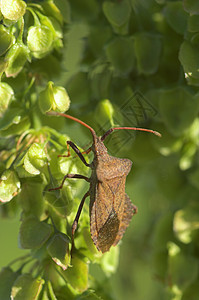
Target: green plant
[(102, 53)]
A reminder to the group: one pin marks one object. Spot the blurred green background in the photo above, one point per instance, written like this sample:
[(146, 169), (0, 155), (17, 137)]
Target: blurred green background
[(116, 50)]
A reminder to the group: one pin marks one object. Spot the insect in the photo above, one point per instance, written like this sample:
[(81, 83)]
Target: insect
[(110, 207)]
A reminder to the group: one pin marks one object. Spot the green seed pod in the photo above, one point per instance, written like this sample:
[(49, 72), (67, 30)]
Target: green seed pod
[(104, 111), (107, 115), (13, 9), (6, 39), (3, 65), (52, 10), (16, 58), (55, 98), (6, 94), (39, 40), (52, 24), (35, 159), (9, 186)]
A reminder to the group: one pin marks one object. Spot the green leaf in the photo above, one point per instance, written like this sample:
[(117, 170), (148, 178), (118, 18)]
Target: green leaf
[(195, 39), (58, 248), (176, 16), (120, 52), (77, 275), (66, 292), (193, 23), (33, 233), (7, 278), (31, 198), (85, 242), (191, 80), (191, 6), (61, 205), (9, 186), (101, 76), (147, 50), (98, 37), (13, 9), (189, 58), (178, 108), (118, 13), (87, 10), (26, 287)]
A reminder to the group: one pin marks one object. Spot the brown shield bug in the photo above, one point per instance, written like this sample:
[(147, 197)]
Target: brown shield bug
[(111, 209)]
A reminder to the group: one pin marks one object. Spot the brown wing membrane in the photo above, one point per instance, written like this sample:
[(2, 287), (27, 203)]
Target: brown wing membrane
[(129, 210), (109, 205)]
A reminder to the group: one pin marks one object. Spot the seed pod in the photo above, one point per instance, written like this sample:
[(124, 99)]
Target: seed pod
[(6, 94), (39, 40), (16, 58), (54, 97), (13, 9)]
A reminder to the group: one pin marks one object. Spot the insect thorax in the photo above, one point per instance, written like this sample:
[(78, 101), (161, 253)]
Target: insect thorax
[(98, 147)]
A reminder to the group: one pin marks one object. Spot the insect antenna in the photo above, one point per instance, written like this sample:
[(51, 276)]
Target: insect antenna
[(129, 128), (54, 113)]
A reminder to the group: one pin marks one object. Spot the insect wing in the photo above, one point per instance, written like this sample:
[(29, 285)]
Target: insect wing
[(107, 212), (129, 210)]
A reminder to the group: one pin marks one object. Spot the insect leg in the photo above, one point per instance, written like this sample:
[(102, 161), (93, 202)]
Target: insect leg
[(74, 226), (69, 154), (87, 151), (68, 149), (78, 152), (70, 176)]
